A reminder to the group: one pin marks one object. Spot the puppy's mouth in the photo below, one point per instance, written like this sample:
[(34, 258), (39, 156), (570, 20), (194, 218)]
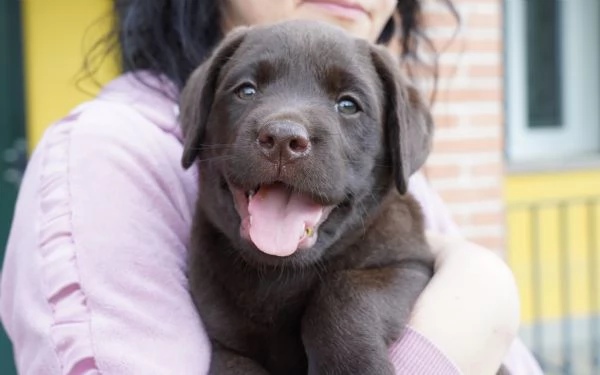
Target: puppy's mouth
[(277, 219)]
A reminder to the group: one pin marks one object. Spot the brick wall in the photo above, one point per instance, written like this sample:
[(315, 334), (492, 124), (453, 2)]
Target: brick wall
[(466, 166)]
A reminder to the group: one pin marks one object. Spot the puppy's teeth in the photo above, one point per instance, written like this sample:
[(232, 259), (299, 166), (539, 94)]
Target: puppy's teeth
[(251, 193), (309, 231)]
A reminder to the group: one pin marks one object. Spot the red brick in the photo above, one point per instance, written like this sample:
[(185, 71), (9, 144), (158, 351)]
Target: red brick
[(495, 70), (468, 145), (458, 3), (446, 121), (470, 95), (484, 21), (462, 45), (474, 54), (494, 169), (443, 171), (440, 19), (487, 218), (463, 195), (486, 120)]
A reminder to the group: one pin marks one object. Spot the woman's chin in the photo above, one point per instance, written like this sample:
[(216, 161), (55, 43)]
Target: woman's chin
[(360, 27)]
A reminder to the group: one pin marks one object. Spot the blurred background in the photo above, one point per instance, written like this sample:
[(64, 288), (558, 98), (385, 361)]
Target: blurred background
[(516, 155)]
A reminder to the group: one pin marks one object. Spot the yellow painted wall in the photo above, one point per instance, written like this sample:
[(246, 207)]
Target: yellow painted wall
[(580, 228), (56, 35)]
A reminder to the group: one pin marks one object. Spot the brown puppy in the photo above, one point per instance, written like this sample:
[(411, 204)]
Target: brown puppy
[(307, 253)]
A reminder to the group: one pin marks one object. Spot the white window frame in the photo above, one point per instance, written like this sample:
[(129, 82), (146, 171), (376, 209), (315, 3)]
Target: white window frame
[(579, 135)]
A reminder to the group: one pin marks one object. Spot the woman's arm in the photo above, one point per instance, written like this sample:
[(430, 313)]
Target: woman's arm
[(94, 279), (470, 309), (458, 325)]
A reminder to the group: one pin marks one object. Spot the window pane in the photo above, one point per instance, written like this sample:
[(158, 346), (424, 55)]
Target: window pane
[(543, 63)]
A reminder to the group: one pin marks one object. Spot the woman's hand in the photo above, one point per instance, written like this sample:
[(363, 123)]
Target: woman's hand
[(470, 309)]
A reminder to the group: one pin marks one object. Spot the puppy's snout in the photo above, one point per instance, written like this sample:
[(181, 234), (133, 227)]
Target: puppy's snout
[(284, 141)]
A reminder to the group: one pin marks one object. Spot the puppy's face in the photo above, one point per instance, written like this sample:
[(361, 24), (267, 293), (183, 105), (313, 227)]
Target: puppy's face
[(292, 127)]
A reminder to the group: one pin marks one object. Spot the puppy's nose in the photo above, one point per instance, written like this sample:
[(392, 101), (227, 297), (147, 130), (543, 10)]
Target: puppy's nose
[(284, 141)]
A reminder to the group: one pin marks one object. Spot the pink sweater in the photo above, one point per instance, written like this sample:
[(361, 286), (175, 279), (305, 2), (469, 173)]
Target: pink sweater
[(94, 277)]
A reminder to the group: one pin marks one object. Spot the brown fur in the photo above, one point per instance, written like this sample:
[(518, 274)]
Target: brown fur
[(334, 308)]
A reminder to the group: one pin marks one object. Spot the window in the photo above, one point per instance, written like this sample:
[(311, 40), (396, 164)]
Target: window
[(553, 81), (543, 63)]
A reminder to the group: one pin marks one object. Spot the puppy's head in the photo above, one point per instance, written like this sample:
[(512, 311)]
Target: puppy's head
[(300, 130)]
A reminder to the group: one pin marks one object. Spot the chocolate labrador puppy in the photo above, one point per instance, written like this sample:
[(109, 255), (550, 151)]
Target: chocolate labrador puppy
[(307, 253)]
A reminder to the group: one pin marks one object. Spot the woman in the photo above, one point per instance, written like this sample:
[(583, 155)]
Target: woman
[(94, 276)]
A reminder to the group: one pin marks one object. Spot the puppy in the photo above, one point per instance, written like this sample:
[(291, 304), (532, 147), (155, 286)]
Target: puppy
[(307, 253)]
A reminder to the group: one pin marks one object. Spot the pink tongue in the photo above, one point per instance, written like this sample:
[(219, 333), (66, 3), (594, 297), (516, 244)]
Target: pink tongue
[(278, 219)]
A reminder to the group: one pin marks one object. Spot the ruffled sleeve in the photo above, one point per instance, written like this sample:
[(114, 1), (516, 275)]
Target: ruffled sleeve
[(94, 275), (69, 330)]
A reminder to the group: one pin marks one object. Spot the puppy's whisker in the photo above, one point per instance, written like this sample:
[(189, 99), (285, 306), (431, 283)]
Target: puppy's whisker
[(320, 269)]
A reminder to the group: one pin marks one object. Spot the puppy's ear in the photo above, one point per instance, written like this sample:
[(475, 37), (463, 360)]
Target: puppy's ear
[(408, 122), (197, 96)]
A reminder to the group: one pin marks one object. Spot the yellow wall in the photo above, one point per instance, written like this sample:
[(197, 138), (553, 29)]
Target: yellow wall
[(54, 49), (548, 187)]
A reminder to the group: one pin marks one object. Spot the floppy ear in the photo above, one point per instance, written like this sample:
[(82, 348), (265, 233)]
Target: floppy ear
[(197, 96), (408, 122)]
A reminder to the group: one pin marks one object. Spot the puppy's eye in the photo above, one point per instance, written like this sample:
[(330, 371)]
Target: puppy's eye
[(347, 106), (246, 91)]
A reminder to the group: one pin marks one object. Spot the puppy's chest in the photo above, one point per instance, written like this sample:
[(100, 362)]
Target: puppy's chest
[(274, 298)]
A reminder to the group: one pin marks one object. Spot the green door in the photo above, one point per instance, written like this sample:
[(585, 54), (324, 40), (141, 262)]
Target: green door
[(12, 135)]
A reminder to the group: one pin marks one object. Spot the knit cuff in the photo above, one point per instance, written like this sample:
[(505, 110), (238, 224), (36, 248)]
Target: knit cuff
[(415, 354)]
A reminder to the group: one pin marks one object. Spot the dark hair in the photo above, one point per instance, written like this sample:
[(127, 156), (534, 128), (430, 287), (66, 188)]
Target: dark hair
[(172, 37)]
